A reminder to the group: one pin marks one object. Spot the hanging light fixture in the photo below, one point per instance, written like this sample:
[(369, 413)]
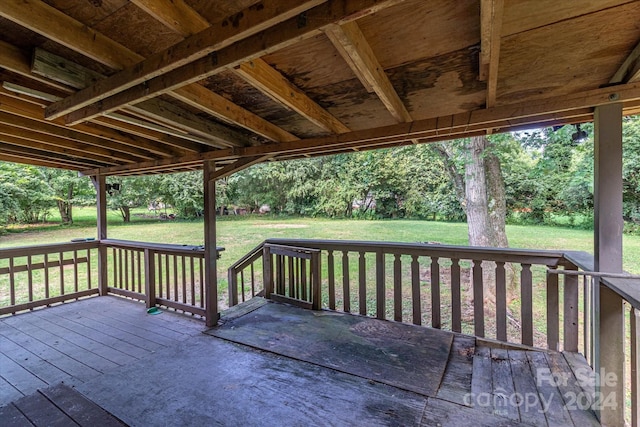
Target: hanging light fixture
[(579, 135)]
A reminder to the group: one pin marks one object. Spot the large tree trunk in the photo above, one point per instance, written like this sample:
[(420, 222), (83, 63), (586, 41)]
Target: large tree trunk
[(480, 233), (456, 177), (497, 202), (126, 213)]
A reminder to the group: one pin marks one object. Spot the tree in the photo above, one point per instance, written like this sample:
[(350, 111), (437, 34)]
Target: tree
[(67, 189)]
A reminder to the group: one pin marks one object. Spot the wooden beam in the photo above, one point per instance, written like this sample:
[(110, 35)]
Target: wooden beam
[(554, 110), (238, 165), (354, 48), (15, 60), (271, 39), (16, 146), (174, 14), (218, 106), (250, 21), (269, 80), (54, 67), (629, 71), (491, 13)]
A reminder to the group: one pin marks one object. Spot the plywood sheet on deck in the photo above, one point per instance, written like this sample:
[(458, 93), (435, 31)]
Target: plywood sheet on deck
[(405, 356)]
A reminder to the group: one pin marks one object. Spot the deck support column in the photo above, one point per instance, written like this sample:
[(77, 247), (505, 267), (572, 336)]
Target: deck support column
[(100, 184), (608, 225), (210, 251)]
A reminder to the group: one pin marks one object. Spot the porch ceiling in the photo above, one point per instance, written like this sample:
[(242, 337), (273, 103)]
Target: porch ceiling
[(129, 87)]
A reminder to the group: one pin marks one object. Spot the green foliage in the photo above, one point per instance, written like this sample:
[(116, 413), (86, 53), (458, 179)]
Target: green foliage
[(25, 193)]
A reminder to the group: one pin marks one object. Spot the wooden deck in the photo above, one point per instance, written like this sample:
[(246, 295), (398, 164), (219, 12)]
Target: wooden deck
[(274, 365)]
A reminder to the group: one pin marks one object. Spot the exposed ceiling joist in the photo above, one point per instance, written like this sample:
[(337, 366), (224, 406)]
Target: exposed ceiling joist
[(94, 144), (218, 106), (578, 107), (174, 14), (354, 48), (272, 83), (271, 39), (252, 20), (629, 71), (26, 109), (491, 12), (28, 157)]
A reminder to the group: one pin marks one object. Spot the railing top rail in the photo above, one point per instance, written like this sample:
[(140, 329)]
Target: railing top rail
[(627, 288), (532, 256), (160, 247), (50, 248), (251, 256)]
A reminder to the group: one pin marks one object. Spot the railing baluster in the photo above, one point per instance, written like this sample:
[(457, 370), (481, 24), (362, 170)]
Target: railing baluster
[(346, 292), (526, 289), (120, 271), (436, 320), (586, 324), (46, 275), (89, 269), (415, 290), (298, 290), (635, 366), (125, 255), (332, 280), (167, 276), (241, 285), (193, 280), (184, 298), (75, 271), (501, 302), (139, 258), (159, 275), (303, 275), (553, 316), (381, 305), (253, 282), (397, 288), (61, 261), (30, 278), (175, 278), (292, 282), (570, 312), (478, 298), (456, 303), (362, 284), (12, 282), (201, 262)]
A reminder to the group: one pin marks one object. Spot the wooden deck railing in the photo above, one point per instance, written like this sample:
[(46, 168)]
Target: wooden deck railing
[(36, 276), (535, 298)]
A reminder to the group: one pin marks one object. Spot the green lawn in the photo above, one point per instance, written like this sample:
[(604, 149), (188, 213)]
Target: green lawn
[(240, 234)]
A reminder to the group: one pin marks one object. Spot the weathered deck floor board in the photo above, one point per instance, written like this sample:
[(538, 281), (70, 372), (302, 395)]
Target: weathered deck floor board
[(165, 371)]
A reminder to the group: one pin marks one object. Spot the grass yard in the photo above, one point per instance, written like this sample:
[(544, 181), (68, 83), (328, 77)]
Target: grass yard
[(240, 234)]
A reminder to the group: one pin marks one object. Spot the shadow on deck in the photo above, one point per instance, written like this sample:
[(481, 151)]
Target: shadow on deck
[(271, 364)]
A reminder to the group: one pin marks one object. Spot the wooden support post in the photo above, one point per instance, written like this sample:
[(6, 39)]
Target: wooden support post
[(267, 272), (608, 224), (570, 311), (316, 282), (100, 184), (210, 251)]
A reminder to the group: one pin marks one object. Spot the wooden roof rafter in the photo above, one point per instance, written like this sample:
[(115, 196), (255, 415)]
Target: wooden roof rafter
[(491, 13)]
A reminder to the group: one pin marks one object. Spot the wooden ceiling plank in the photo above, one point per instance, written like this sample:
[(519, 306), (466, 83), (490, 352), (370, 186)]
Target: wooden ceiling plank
[(250, 21), (15, 60), (89, 142), (218, 106), (491, 14), (271, 82), (353, 46), (271, 39), (629, 71), (174, 14)]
